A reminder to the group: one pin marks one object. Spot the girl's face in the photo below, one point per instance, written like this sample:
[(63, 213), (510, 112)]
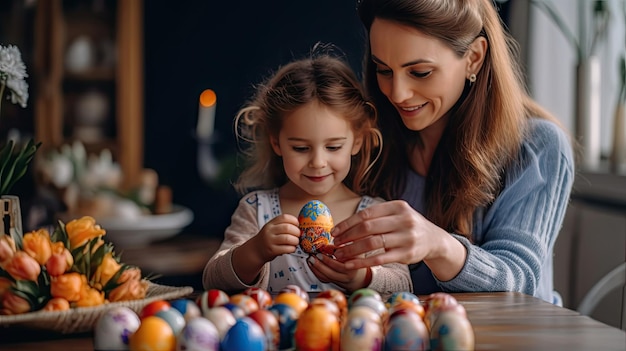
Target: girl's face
[(316, 145), (421, 77)]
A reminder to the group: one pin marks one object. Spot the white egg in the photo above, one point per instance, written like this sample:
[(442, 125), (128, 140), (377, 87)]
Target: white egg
[(114, 327), (199, 334)]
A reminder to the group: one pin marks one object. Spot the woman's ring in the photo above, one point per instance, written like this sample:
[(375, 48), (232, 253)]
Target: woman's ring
[(382, 236)]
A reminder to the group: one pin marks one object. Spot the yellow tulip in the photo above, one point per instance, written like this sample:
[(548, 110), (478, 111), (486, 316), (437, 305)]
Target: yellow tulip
[(23, 266), (129, 290), (106, 270), (80, 231), (37, 245)]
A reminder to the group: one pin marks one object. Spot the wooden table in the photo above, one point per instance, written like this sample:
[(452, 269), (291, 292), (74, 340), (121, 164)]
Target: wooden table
[(501, 321)]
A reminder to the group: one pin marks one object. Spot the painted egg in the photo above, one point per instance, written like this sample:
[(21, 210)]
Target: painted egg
[(188, 308), (153, 307), (174, 318), (287, 317), (375, 304), (361, 333), (435, 304), (360, 293), (246, 334), (317, 329), (114, 328), (407, 332), (153, 334), (292, 299), (452, 331), (211, 298), (261, 296), (295, 289), (364, 312), (247, 303), (329, 305), (316, 222), (338, 298), (406, 306), (199, 334), (269, 323), (235, 309), (402, 296), (222, 319)]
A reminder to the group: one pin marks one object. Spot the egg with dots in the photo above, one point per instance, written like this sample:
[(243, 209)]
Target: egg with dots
[(315, 223)]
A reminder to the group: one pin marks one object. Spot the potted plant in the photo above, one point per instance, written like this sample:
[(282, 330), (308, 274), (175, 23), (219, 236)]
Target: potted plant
[(14, 160)]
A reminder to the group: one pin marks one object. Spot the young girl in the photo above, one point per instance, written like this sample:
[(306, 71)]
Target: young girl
[(311, 136)]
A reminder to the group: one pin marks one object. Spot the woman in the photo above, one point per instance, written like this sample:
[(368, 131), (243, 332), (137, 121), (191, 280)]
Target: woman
[(479, 173)]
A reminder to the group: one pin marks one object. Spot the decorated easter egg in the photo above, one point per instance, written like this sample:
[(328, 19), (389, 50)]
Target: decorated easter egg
[(153, 307), (360, 293), (292, 299), (406, 306), (317, 328), (329, 305), (174, 318), (402, 296), (211, 298), (235, 309), (188, 308), (407, 332), (269, 323), (365, 312), (261, 296), (114, 327), (437, 302), (222, 319), (247, 303), (246, 334), (199, 334), (338, 298), (451, 330), (295, 289), (287, 317), (375, 304), (316, 222), (361, 333), (153, 334)]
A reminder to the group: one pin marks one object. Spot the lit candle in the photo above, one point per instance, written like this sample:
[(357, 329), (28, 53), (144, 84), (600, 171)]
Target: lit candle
[(206, 114)]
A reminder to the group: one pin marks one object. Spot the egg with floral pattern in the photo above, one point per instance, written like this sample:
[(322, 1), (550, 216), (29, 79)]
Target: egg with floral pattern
[(315, 223)]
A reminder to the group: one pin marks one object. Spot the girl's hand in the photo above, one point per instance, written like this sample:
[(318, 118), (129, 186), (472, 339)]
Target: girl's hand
[(279, 236), (329, 270), (403, 233)]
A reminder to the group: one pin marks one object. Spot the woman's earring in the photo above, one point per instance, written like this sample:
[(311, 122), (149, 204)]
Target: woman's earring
[(472, 78)]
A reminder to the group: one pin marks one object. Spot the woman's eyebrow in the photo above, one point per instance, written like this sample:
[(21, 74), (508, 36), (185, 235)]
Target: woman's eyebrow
[(410, 63)]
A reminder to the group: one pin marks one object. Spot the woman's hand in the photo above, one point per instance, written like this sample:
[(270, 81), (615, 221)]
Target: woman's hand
[(404, 235), (329, 270), (279, 236)]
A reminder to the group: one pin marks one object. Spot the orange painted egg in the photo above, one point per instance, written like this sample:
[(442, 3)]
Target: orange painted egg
[(292, 299), (316, 222), (317, 329), (153, 334)]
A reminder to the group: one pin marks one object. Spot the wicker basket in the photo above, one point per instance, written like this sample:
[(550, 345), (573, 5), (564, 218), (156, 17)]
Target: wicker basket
[(84, 319)]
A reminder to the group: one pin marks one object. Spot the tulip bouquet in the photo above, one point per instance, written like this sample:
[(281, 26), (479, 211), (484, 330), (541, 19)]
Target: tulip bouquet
[(71, 267)]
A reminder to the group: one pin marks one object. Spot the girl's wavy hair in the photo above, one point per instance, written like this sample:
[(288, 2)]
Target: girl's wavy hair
[(325, 77), (486, 126)]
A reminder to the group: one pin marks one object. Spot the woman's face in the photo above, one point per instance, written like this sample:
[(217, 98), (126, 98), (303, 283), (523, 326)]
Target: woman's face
[(421, 77)]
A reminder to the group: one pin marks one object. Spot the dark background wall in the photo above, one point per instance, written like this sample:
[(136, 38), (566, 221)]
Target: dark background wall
[(225, 46)]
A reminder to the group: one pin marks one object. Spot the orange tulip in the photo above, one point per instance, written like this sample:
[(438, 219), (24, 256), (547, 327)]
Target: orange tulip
[(129, 290), (14, 304), (57, 304), (80, 231), (23, 266), (106, 270), (89, 296), (67, 286), (5, 284), (37, 245), (7, 249)]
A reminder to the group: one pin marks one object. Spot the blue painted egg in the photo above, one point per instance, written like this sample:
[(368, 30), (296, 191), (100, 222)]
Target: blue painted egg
[(246, 334), (188, 308), (287, 318), (174, 318), (406, 332)]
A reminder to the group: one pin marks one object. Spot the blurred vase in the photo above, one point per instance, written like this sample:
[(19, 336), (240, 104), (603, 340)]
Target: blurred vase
[(11, 217), (588, 111)]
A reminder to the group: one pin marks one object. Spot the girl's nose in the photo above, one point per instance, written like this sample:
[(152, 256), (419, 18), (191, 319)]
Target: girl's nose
[(318, 160)]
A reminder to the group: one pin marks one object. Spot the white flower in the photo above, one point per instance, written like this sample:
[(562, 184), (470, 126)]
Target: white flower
[(12, 75)]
